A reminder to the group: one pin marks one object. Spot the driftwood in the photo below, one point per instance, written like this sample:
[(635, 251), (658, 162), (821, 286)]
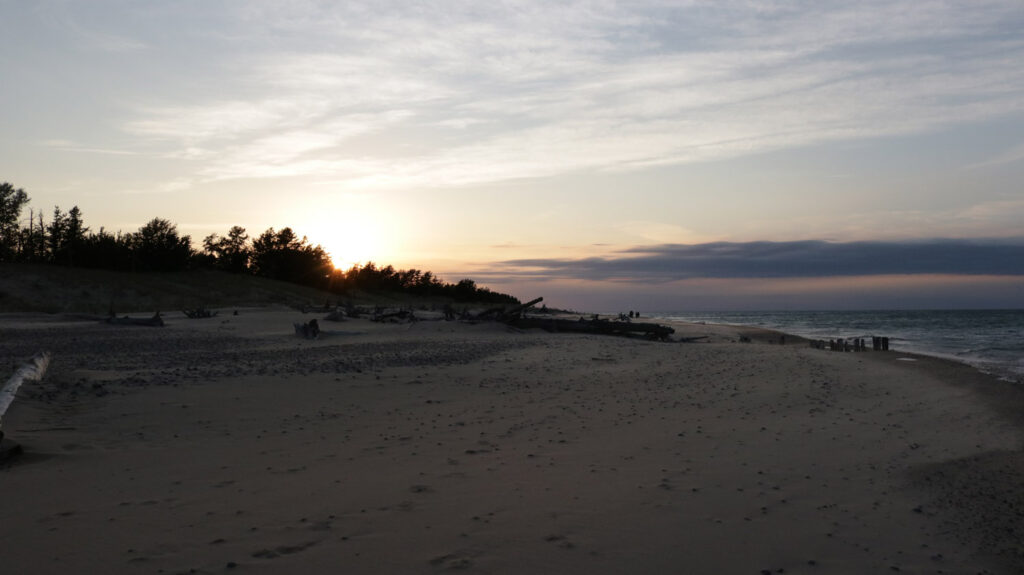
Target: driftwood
[(155, 321), (34, 369), (395, 316), (505, 315), (596, 326), (491, 312), (199, 313), (517, 312), (310, 330), (336, 315), (355, 311)]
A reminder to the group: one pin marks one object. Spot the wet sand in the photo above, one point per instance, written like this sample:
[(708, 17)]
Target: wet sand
[(230, 445)]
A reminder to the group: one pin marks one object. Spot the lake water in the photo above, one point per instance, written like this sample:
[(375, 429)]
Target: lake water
[(991, 340)]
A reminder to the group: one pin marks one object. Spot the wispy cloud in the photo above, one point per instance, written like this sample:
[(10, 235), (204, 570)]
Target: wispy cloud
[(1008, 156), (659, 232), (84, 35), (475, 93), (70, 146)]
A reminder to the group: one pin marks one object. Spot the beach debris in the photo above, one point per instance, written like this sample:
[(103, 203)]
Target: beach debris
[(155, 321), (312, 308), (519, 311), (402, 315), (337, 315), (308, 330), (32, 370), (516, 317), (502, 314), (354, 311), (596, 326), (200, 313)]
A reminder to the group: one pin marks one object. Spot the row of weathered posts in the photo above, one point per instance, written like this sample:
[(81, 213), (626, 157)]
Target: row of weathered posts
[(855, 344)]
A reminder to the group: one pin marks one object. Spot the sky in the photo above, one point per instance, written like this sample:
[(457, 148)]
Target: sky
[(607, 156)]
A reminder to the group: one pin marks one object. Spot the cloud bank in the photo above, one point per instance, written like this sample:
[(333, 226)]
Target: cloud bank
[(774, 260)]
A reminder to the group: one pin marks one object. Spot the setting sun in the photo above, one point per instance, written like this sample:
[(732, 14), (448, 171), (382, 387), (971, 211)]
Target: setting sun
[(350, 241)]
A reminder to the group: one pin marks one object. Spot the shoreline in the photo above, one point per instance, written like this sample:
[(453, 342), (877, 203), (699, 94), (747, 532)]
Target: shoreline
[(228, 443), (989, 365)]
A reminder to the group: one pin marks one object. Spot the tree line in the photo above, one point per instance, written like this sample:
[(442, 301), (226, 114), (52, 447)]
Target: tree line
[(157, 246)]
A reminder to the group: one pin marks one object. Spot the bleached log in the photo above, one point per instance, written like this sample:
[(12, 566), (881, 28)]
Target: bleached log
[(32, 370)]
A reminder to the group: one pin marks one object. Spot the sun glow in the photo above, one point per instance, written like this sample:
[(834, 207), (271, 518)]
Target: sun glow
[(354, 229), (353, 241)]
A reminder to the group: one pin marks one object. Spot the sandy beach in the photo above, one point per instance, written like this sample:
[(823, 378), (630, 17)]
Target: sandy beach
[(230, 445)]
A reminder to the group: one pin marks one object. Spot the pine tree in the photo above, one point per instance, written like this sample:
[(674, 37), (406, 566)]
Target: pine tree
[(55, 234), (11, 203)]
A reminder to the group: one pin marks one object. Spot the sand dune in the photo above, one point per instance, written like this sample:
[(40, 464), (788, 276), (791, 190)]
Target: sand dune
[(229, 444)]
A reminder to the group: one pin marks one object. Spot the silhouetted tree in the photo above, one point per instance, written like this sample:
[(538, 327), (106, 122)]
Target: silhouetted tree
[(55, 233), (106, 250), (231, 253), (409, 278), (282, 255), (465, 290), (427, 284), (74, 236), (158, 247), (32, 239), (12, 201)]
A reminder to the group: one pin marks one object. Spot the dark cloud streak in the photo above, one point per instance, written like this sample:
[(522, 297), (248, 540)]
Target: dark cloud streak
[(800, 259)]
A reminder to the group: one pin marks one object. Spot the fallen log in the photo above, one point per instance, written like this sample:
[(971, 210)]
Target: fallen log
[(502, 314), (396, 316), (308, 330), (602, 327), (520, 309), (199, 313), (155, 321), (33, 369), (336, 315)]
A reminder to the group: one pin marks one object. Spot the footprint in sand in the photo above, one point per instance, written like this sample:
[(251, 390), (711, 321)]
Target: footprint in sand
[(452, 561), (282, 550)]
